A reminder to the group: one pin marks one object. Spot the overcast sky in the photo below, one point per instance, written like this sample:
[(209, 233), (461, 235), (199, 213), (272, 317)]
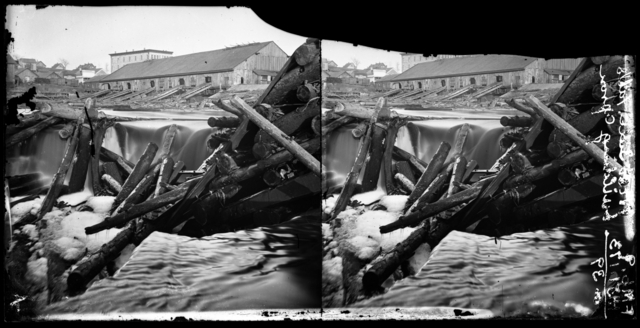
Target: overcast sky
[(342, 53), (89, 34)]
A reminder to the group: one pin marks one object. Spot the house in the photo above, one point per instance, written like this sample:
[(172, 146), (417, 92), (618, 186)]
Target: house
[(58, 66), (11, 71), (453, 73), (120, 59), (26, 75), (378, 66), (391, 71), (361, 73), (247, 64), (349, 66), (374, 74)]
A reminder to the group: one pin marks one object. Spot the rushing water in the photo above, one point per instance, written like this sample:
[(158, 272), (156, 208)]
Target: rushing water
[(274, 267), (547, 271), (422, 138)]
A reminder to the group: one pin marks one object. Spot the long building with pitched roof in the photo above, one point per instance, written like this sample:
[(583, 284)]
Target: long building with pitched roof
[(247, 64)]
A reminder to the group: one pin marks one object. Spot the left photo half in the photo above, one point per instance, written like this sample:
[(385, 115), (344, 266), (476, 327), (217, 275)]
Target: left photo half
[(161, 174)]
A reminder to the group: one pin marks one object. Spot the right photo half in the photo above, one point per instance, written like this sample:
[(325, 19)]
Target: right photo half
[(474, 185)]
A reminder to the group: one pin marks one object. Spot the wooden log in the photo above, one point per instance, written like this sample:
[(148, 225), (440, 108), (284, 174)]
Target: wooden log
[(58, 178), (175, 172), (137, 174), (357, 111), (109, 155), (404, 168), (583, 82), (25, 122), (501, 207), (30, 131), (432, 192), (461, 186), (227, 106), (306, 53), (225, 163), (384, 267), (145, 187), (336, 124), (607, 95), (167, 141), (223, 122), (417, 163), (296, 188), (138, 210), (66, 130), (91, 266), (428, 210), (359, 130), (284, 90), (540, 172), (429, 174), (290, 123), (112, 183), (100, 128), (262, 150), (316, 125), (516, 121), (306, 92), (520, 107), (458, 144), (372, 170), (165, 173), (309, 161), (352, 178), (83, 158), (389, 142), (583, 123), (459, 168), (111, 169), (259, 167), (573, 134), (404, 183)]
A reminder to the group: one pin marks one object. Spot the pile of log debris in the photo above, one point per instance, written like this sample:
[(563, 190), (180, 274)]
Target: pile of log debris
[(268, 153), (551, 174)]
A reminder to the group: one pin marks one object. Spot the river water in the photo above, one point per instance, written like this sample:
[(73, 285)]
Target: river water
[(274, 267)]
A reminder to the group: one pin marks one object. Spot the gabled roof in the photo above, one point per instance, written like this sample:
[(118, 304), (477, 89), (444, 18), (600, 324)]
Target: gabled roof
[(221, 60), (10, 60), (339, 73), (141, 51), (557, 71), (25, 69), (27, 60), (97, 78), (465, 66), (58, 65), (348, 64)]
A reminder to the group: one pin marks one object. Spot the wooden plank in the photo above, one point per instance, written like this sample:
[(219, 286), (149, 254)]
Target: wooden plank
[(579, 69)]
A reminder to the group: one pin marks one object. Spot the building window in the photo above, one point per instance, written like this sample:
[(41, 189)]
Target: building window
[(419, 85), (472, 80), (152, 83), (443, 82), (181, 81), (207, 79), (484, 80), (533, 79), (498, 78)]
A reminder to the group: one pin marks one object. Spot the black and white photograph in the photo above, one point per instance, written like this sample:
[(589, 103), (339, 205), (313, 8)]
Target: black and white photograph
[(318, 162), (156, 169), (476, 186)]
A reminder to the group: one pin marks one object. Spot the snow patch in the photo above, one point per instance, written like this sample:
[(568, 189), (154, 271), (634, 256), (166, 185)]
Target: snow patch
[(75, 198), (73, 254), (368, 253), (73, 226), (394, 203), (419, 258), (31, 231), (20, 210), (100, 204), (329, 203), (370, 197), (332, 271), (124, 257)]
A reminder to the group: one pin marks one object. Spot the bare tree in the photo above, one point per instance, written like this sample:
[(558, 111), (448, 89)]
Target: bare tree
[(64, 62), (355, 61)]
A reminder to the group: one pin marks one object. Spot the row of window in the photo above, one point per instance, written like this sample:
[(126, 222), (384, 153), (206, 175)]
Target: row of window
[(135, 58)]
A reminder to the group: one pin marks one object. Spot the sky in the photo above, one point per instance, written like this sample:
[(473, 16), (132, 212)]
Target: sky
[(342, 53), (89, 34)]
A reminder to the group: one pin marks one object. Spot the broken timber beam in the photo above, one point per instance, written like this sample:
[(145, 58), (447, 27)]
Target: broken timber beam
[(304, 157), (31, 131), (139, 171), (429, 174)]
